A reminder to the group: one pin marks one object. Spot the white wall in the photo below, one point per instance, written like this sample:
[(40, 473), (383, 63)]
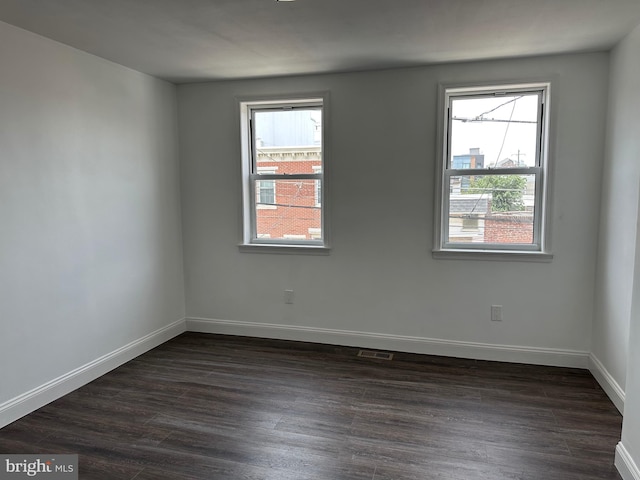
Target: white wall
[(618, 321), (90, 242), (628, 451), (380, 279), (619, 210)]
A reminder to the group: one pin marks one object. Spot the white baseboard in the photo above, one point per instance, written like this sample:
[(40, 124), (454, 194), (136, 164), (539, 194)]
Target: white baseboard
[(38, 397), (429, 346), (607, 382), (625, 464), (32, 400)]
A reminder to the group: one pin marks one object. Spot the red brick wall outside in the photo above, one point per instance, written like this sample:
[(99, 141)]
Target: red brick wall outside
[(290, 166), (296, 214), (508, 228), (295, 211)]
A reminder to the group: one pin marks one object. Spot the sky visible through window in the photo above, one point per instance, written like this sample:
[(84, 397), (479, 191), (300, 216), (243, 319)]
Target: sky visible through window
[(501, 127)]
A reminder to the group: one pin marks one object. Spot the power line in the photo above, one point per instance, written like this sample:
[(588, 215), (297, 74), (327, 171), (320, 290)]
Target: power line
[(504, 139), (515, 99), (480, 117), (289, 206), (496, 120)]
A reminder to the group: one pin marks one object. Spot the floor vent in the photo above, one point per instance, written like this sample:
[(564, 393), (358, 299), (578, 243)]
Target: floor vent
[(375, 354)]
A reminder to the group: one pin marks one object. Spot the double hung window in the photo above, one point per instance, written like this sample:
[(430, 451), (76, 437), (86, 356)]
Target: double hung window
[(494, 170), (283, 172)]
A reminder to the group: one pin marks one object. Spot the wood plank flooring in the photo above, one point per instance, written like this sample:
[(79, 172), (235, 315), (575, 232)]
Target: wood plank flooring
[(219, 407)]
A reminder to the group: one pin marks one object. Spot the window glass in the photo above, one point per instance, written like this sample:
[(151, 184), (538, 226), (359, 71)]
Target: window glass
[(494, 131), (491, 209)]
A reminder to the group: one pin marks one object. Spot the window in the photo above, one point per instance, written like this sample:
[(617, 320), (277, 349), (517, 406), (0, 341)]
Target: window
[(267, 193), (494, 172), (283, 179), (318, 186), (266, 190)]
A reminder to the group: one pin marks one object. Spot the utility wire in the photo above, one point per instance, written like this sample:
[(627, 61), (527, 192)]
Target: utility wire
[(504, 139), (289, 206), (506, 130), (496, 120), (515, 99)]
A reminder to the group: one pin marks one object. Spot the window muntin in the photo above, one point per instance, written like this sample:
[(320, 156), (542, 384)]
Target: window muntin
[(283, 170), (494, 169)]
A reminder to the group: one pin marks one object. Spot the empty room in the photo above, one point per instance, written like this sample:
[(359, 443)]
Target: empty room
[(304, 239)]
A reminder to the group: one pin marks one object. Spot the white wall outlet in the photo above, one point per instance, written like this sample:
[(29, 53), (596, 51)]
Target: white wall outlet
[(496, 313), (288, 297)]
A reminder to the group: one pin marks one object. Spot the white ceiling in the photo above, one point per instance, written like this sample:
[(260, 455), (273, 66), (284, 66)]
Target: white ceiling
[(196, 40)]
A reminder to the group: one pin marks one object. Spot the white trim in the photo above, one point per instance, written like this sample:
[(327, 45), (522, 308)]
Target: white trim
[(625, 464), (607, 382), (290, 249), (27, 402), (497, 255), (489, 87), (428, 346)]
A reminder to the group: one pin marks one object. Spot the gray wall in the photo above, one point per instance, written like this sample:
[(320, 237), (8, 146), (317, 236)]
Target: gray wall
[(616, 338), (380, 277), (90, 242), (619, 211)]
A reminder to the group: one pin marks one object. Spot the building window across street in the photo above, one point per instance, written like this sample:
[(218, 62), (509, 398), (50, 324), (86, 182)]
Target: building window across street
[(283, 181), (266, 190), (494, 170)]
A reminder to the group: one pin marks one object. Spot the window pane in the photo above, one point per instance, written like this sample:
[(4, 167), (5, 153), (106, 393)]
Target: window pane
[(288, 141), (491, 209), (494, 131), (293, 215), (290, 136)]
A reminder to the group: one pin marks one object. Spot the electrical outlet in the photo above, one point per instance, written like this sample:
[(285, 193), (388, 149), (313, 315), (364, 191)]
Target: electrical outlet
[(496, 313), (288, 297)]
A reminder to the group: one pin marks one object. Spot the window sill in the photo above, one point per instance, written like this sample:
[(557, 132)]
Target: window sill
[(284, 249), (493, 255)]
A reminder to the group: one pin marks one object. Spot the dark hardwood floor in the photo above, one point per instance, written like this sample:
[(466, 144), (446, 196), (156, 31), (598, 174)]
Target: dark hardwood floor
[(217, 407)]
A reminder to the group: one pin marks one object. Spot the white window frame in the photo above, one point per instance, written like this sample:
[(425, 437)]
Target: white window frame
[(539, 250), (251, 242)]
